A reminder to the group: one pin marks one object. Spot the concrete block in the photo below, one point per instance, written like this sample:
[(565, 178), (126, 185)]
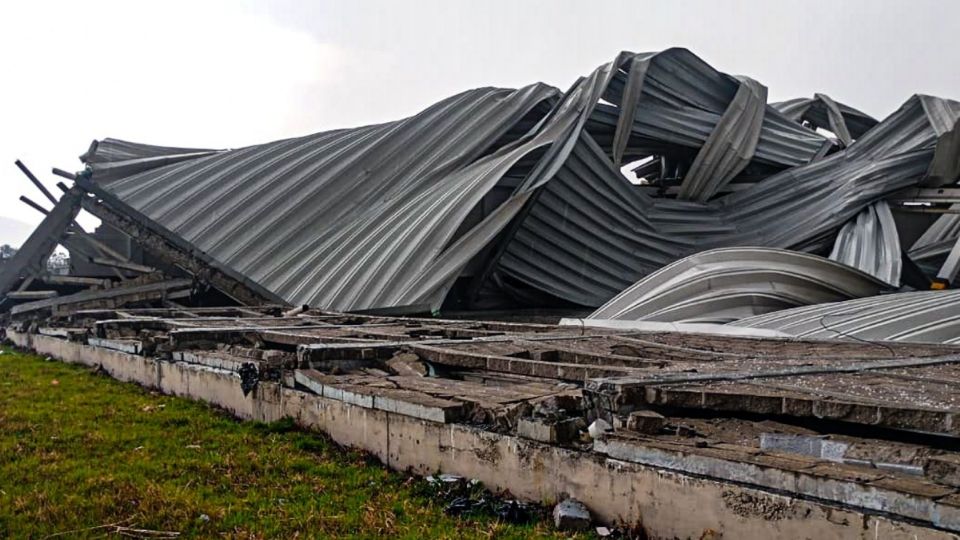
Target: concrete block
[(571, 515), (405, 402), (407, 364), (549, 431), (946, 512), (943, 469), (806, 445), (443, 411), (645, 422), (308, 379), (131, 346)]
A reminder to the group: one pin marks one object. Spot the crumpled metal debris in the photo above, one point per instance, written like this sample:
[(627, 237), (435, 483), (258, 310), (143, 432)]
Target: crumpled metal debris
[(464, 497), (249, 377), (518, 196)]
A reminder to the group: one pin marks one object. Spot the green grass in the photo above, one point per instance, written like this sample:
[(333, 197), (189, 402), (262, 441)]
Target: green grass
[(79, 450)]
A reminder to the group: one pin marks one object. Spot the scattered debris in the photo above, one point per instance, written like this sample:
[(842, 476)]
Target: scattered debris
[(571, 515), (645, 421), (550, 431), (599, 428), (121, 530), (664, 400), (407, 364), (464, 497), (249, 377)]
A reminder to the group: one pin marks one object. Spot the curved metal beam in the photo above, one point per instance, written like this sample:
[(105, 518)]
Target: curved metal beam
[(723, 285)]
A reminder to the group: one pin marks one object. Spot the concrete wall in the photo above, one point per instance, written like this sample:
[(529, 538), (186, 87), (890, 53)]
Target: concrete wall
[(667, 504)]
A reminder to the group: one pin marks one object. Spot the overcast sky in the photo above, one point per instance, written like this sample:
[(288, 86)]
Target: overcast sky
[(231, 73)]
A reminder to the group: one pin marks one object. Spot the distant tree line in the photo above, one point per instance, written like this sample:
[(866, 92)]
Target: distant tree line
[(58, 263)]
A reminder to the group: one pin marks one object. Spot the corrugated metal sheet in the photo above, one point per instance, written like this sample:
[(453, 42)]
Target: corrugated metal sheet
[(662, 102), (730, 146), (110, 159), (822, 111), (591, 234), (870, 242), (926, 317), (931, 249), (724, 285), (386, 215), (348, 219)]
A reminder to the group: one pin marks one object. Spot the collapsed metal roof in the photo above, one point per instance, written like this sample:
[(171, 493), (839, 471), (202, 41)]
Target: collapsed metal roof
[(535, 197), (499, 197), (519, 192)]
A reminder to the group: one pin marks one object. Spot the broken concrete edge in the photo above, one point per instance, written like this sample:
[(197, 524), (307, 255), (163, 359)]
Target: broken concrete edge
[(616, 490), (797, 476), (550, 432), (913, 419), (946, 468), (432, 351), (615, 384), (131, 346), (425, 408), (208, 360), (625, 395), (620, 395), (172, 248)]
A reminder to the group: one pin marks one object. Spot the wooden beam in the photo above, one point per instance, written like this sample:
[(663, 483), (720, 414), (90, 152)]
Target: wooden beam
[(82, 240), (59, 279), (31, 295), (36, 182), (35, 206), (123, 265), (105, 299), (64, 174), (172, 249), (31, 259)]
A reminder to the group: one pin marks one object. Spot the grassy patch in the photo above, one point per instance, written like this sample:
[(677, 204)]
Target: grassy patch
[(79, 450)]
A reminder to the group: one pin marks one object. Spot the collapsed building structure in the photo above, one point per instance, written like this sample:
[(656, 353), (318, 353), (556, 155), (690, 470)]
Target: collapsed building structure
[(774, 334)]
